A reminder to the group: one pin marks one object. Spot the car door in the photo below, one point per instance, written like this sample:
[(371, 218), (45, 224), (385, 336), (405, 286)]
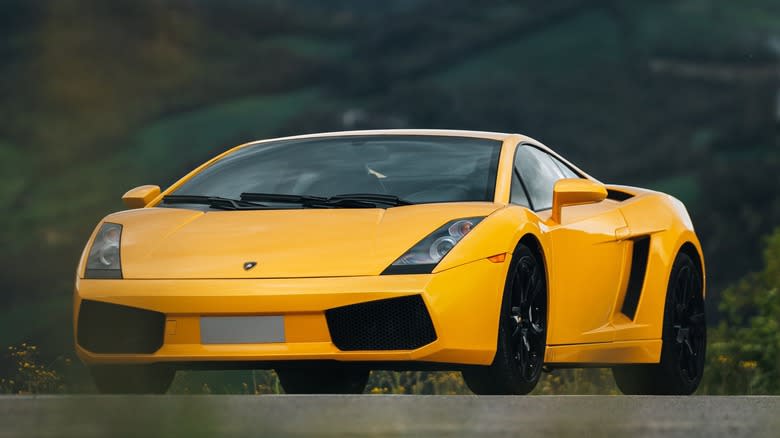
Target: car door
[(585, 261)]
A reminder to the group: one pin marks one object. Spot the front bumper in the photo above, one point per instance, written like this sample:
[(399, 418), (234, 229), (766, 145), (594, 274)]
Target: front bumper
[(463, 303)]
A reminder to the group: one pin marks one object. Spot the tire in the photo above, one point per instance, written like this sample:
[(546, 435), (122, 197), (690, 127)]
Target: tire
[(132, 379), (519, 358), (323, 380), (684, 339)]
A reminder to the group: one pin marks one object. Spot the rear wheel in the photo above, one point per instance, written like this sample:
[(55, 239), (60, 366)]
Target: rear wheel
[(323, 380), (132, 379), (684, 339), (522, 331)]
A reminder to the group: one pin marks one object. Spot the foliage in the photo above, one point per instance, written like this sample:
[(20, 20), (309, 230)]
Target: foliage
[(577, 381), (226, 382), (744, 352), (29, 374), (416, 382)]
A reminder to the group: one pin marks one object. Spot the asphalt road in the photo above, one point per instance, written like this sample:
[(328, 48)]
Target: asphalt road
[(380, 416)]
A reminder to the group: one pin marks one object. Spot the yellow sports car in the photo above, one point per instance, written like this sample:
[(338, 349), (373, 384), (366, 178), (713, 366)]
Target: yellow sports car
[(325, 256)]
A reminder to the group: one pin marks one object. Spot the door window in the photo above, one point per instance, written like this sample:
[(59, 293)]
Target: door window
[(539, 173), (567, 171)]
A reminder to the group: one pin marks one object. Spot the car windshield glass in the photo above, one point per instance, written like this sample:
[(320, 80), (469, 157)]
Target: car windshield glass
[(417, 169)]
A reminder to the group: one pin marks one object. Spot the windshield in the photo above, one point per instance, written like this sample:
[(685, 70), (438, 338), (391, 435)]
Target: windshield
[(417, 169)]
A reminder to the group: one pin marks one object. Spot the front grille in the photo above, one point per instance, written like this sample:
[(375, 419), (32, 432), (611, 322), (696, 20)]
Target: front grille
[(111, 328), (391, 324)]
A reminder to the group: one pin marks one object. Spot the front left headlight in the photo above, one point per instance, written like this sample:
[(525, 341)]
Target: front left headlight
[(427, 253), (103, 260)]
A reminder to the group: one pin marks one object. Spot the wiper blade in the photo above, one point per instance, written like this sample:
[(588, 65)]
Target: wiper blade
[(214, 202), (312, 201), (373, 197), (287, 199)]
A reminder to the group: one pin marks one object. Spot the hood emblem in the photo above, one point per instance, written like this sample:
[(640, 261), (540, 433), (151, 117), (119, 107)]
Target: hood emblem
[(249, 265)]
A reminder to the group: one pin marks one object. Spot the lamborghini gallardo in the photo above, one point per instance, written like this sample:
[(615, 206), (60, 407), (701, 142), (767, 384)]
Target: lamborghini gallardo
[(325, 256)]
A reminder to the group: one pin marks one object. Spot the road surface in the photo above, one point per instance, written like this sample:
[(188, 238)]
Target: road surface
[(384, 416)]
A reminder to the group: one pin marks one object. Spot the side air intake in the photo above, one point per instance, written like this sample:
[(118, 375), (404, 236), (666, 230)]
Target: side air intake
[(636, 278)]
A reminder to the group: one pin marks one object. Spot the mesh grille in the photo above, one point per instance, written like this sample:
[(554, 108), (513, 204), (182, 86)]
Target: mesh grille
[(111, 328), (392, 324)]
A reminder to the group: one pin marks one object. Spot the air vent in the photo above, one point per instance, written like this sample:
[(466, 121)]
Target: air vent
[(114, 329), (391, 324), (636, 278), (617, 195)]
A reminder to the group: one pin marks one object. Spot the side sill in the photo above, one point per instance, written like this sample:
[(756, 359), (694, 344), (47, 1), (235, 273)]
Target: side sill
[(608, 353)]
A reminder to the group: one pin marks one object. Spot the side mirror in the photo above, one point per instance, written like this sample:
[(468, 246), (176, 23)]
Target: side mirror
[(140, 196), (574, 191)]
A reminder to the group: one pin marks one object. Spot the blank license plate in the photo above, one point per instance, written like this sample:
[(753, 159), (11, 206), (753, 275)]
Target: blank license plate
[(241, 329)]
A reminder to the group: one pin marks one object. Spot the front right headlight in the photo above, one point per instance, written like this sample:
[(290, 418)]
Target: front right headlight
[(103, 260), (423, 257)]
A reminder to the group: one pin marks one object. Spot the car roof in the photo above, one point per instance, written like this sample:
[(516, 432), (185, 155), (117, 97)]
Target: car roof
[(422, 132)]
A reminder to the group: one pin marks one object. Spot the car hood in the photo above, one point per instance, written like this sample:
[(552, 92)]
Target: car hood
[(167, 243)]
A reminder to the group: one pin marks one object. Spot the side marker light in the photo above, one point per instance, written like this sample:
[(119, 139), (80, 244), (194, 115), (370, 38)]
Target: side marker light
[(498, 258)]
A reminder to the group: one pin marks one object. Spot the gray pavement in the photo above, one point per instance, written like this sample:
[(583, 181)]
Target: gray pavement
[(383, 415)]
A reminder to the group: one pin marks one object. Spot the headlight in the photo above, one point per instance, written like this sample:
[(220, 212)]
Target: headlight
[(427, 253), (103, 260)]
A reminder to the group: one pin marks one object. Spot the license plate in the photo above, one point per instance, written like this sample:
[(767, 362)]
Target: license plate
[(241, 329)]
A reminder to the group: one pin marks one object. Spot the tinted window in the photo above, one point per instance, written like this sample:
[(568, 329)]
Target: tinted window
[(539, 174), (416, 168)]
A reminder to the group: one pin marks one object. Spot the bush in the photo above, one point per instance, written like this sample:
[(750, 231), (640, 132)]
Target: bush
[(744, 350), (29, 375)]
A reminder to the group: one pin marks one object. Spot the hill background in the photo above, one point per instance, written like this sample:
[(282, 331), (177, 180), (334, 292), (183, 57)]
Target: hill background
[(97, 97)]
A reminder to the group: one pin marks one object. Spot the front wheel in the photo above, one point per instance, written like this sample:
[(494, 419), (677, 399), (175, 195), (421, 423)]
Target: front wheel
[(323, 380), (522, 331), (132, 379), (684, 339)]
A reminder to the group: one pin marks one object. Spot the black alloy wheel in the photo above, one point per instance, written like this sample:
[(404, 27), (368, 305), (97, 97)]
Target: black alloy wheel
[(684, 339), (522, 331), (688, 337)]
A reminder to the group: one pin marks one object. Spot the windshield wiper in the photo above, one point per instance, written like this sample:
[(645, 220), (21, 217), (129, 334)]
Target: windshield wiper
[(378, 198), (358, 200), (214, 202), (285, 199), (307, 201)]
